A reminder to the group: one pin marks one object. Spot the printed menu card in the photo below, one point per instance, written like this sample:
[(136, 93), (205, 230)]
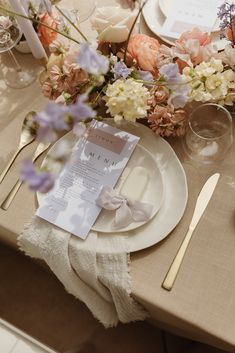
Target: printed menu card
[(98, 160), (187, 14)]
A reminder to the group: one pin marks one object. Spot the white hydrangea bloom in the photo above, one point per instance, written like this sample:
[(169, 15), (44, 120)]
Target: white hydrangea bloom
[(127, 99), (209, 83)]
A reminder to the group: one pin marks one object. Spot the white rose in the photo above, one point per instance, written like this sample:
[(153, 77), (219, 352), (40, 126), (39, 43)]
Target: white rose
[(113, 23)]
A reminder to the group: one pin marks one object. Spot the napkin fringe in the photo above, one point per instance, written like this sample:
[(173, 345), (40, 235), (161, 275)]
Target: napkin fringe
[(94, 271)]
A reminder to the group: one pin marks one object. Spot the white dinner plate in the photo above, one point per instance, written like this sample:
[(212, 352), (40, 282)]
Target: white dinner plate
[(175, 193), (155, 18), (166, 5)]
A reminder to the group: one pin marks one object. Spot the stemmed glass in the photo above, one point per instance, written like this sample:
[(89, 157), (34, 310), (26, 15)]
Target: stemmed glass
[(16, 76), (82, 9)]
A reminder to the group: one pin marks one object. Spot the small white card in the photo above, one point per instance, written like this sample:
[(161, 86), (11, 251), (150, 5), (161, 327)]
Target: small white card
[(98, 160), (187, 14)]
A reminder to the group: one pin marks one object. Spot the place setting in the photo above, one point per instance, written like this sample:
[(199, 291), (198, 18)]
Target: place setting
[(110, 183), (168, 19)]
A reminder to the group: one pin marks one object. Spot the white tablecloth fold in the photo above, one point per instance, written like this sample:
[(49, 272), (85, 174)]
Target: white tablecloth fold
[(95, 272)]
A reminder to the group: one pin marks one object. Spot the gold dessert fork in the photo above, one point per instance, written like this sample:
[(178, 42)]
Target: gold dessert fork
[(9, 198), (28, 134)]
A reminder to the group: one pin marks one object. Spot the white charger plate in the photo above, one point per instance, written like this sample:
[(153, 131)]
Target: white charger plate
[(155, 18), (166, 5), (174, 185)]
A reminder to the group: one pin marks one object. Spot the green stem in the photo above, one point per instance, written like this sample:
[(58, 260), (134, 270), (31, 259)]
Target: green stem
[(132, 28), (38, 22), (72, 24), (164, 84)]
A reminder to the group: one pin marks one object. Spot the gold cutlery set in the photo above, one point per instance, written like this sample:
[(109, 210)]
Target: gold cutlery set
[(27, 136)]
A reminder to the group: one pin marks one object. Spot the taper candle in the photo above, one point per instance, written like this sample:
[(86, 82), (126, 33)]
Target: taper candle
[(28, 30), (25, 5)]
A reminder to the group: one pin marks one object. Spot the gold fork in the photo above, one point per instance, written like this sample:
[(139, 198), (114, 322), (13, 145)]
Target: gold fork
[(42, 147)]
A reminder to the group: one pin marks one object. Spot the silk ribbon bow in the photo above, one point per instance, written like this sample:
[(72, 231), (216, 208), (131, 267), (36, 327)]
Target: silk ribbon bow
[(127, 210)]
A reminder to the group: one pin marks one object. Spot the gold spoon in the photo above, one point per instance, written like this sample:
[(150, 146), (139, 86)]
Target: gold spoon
[(9, 198), (28, 134)]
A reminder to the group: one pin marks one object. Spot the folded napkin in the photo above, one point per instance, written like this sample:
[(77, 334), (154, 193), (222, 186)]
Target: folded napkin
[(127, 210), (96, 272)]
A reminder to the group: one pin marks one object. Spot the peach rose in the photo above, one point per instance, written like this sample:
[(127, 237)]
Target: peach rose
[(203, 37), (143, 49), (47, 35)]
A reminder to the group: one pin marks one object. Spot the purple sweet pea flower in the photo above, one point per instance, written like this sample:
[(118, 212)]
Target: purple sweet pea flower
[(37, 181), (50, 120), (179, 97), (91, 61), (80, 110), (170, 72), (145, 75), (120, 70)]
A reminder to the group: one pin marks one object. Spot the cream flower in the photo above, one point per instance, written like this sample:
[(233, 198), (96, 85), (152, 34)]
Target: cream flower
[(113, 23), (127, 100), (228, 56), (214, 81), (209, 82)]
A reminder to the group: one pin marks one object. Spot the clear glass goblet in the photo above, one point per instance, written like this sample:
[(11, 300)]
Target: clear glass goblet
[(209, 135), (82, 9), (16, 76)]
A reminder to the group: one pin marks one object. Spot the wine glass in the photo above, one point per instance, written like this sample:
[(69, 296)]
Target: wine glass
[(16, 76), (209, 135), (82, 9)]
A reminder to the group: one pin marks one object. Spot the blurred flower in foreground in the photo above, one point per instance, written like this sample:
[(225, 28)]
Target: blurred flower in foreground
[(80, 110), (36, 180), (51, 120)]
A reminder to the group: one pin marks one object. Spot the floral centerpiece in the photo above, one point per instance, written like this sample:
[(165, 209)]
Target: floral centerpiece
[(131, 76)]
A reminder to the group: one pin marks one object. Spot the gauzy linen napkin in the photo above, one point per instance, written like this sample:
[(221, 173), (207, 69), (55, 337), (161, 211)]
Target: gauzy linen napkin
[(96, 272)]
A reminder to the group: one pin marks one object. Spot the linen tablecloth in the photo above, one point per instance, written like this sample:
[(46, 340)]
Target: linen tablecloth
[(201, 305)]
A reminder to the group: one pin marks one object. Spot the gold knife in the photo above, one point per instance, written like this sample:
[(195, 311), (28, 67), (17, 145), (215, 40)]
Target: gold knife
[(9, 198), (201, 204)]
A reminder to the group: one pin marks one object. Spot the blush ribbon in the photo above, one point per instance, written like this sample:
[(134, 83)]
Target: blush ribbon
[(127, 210)]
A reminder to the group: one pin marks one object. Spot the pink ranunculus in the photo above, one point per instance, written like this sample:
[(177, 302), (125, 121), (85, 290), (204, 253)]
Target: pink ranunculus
[(192, 48), (204, 38), (47, 35), (144, 49)]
